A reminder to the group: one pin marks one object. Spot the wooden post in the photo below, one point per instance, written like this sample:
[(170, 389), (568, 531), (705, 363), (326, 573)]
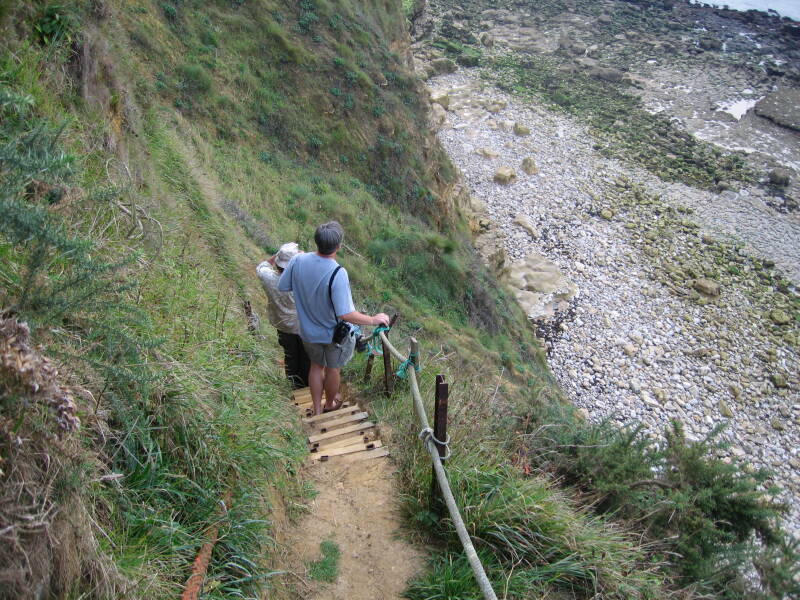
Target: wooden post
[(440, 433), (368, 370), (388, 373)]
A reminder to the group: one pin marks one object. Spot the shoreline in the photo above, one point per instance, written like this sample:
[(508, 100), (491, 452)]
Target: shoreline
[(680, 311)]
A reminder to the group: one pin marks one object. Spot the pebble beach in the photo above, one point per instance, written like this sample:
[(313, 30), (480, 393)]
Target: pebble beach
[(637, 342)]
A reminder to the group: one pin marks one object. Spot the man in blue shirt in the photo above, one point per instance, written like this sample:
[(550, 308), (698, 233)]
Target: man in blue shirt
[(322, 296)]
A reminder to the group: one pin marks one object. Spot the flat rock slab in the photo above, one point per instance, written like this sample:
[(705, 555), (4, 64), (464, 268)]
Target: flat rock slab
[(782, 107)]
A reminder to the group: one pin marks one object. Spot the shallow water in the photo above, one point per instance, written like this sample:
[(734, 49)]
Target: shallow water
[(785, 8)]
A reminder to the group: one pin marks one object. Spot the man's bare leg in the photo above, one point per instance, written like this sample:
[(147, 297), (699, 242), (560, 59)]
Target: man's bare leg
[(331, 386), (316, 374)]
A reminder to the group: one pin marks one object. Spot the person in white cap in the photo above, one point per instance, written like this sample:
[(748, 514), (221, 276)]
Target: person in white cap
[(283, 314)]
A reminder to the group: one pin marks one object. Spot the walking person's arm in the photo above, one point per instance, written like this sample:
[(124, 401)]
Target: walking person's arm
[(285, 282), (357, 318)]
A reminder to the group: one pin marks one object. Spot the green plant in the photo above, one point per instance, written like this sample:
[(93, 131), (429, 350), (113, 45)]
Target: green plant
[(193, 79), (55, 24), (327, 568), (703, 510), (170, 12)]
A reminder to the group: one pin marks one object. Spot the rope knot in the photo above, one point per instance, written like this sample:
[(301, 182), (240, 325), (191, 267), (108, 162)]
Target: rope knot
[(426, 435), (411, 360), (373, 345)]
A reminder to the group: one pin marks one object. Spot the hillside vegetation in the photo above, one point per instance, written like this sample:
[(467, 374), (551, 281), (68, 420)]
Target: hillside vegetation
[(151, 154)]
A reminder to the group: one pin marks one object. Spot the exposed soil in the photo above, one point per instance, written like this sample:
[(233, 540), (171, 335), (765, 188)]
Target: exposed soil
[(356, 507)]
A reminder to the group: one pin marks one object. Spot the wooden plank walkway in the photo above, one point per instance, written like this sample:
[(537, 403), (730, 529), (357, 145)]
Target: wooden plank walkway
[(343, 436)]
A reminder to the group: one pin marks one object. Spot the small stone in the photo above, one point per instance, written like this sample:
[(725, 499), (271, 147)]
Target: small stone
[(521, 130), (778, 380), (607, 214), (529, 166), (707, 286), (505, 175), (629, 349), (776, 423), (725, 410)]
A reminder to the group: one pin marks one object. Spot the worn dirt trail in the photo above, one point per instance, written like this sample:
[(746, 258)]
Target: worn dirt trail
[(356, 507)]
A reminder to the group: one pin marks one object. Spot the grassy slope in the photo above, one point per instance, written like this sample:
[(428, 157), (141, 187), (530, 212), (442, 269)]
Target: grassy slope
[(243, 125)]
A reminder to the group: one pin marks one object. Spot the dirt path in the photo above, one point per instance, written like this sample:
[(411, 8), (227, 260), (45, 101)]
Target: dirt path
[(356, 508)]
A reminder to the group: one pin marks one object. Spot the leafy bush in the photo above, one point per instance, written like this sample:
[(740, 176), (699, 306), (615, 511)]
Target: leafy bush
[(55, 24), (193, 78), (702, 512)]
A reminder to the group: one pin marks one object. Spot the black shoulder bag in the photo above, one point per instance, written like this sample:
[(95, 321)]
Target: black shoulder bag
[(342, 329)]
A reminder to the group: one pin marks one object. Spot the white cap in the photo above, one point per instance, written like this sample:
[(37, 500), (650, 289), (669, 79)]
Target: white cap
[(286, 253)]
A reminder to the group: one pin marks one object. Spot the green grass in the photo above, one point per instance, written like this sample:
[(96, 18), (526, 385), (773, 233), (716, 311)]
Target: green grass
[(238, 147), (326, 568)]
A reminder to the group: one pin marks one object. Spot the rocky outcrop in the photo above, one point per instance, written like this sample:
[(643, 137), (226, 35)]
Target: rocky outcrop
[(539, 285), (782, 107)]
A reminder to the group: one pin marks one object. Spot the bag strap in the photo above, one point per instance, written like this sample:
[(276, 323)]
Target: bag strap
[(330, 291)]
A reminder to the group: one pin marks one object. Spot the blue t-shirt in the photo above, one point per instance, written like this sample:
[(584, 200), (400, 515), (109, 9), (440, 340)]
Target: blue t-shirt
[(307, 276)]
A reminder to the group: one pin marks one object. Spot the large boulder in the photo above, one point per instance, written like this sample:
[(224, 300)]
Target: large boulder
[(521, 129), (490, 244), (437, 117), (708, 287), (538, 285), (441, 98), (444, 65), (782, 107), (780, 177), (606, 74), (710, 43), (505, 175), (523, 221), (487, 153)]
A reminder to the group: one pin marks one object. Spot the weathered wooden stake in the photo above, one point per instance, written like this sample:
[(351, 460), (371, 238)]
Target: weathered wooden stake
[(388, 372), (368, 370), (440, 433)]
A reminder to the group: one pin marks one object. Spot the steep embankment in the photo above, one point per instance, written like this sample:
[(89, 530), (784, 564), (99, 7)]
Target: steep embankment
[(152, 154)]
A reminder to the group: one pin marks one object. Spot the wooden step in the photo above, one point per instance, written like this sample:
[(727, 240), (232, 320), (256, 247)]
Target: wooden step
[(341, 421), (358, 427), (308, 409), (341, 412), (346, 440), (359, 456), (346, 450), (363, 442)]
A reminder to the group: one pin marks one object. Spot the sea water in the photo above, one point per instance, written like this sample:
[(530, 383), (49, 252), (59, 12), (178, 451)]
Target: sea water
[(785, 8)]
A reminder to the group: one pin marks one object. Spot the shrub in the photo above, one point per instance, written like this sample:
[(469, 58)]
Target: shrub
[(55, 24), (702, 511), (170, 12), (193, 79)]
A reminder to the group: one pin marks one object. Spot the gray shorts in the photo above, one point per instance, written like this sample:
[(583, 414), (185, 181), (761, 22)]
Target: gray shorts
[(331, 355)]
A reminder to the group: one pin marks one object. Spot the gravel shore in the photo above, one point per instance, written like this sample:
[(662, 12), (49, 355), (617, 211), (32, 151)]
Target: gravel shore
[(634, 345)]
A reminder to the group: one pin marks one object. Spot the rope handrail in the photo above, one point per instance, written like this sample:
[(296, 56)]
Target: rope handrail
[(441, 475)]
